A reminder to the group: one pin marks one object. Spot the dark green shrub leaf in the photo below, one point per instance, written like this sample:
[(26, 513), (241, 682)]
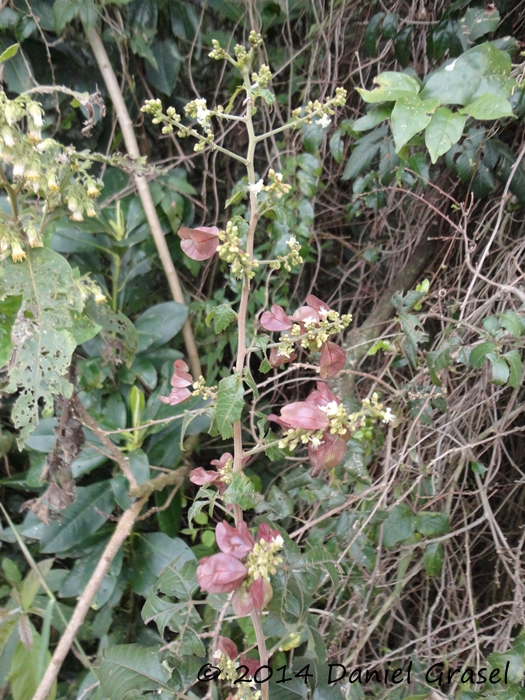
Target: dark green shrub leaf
[(370, 38), (500, 371), (432, 524), (479, 353), (516, 368), (480, 22), (399, 525)]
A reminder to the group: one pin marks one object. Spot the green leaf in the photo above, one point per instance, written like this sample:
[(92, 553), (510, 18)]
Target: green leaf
[(432, 524), (31, 584), (223, 316), (364, 153), (179, 579), (229, 406), (500, 371), (479, 353), (63, 12), (24, 670), (488, 107), (84, 517), (372, 118), (402, 46), (478, 468), (433, 559), (392, 86), (168, 59), (83, 328), (159, 324), (128, 669), (8, 53), (43, 344), (152, 553), (8, 311), (410, 116), (511, 322), (516, 368), (445, 129), (480, 22), (389, 29), (399, 525), (242, 492), (115, 324), (370, 37), (337, 146)]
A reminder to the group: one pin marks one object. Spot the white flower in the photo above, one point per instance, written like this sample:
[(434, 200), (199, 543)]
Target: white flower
[(202, 112), (388, 416), (315, 441), (18, 170), (323, 311), (291, 242), (325, 121), (330, 409), (257, 187)]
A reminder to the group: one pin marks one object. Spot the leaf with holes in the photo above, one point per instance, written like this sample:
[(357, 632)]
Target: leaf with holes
[(42, 337), (410, 116), (445, 129)]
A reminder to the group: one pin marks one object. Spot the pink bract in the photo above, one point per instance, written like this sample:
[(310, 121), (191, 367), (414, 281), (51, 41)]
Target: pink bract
[(276, 319), (265, 532), (276, 360), (236, 541), (303, 415), (332, 360), (242, 602), (220, 573), (314, 303), (261, 592), (228, 647), (329, 453), (199, 243), (176, 396), (181, 377), (322, 396)]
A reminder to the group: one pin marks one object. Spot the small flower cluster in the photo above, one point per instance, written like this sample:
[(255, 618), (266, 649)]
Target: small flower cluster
[(196, 109), (44, 173), (232, 253), (325, 426), (221, 478), (242, 566), (290, 259), (261, 79), (224, 656), (323, 110), (311, 326), (200, 389)]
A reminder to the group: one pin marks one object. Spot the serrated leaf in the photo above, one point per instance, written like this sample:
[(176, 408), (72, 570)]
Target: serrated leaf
[(179, 578), (432, 524), (241, 492), (229, 405), (445, 129), (399, 525), (488, 107), (479, 353), (433, 559), (410, 116), (8, 53), (115, 324), (43, 343), (516, 368), (511, 322), (392, 86), (129, 668), (500, 372), (63, 12), (223, 316)]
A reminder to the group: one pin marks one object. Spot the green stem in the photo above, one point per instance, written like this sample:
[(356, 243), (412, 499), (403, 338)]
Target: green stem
[(116, 274)]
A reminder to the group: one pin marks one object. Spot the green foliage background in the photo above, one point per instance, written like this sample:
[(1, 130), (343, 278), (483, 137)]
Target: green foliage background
[(410, 549)]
